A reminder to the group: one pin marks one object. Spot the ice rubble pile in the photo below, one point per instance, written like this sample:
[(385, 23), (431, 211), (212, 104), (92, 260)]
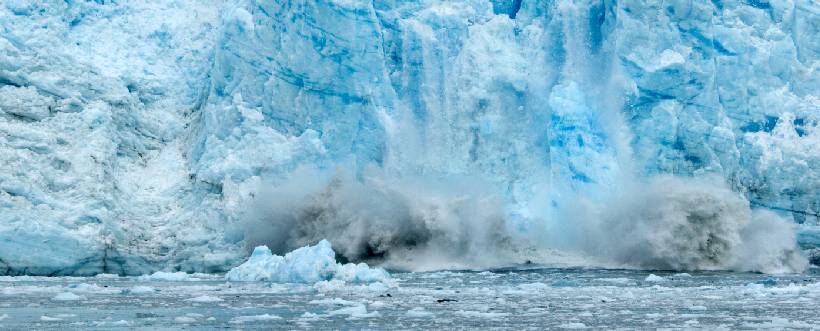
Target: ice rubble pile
[(309, 264), (134, 135)]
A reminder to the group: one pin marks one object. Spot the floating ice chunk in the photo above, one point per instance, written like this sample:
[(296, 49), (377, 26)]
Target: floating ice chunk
[(357, 311), (333, 302), (329, 286), (67, 296), (4, 316), (17, 278), (418, 312), (254, 318), (310, 264), (308, 316), (377, 304), (45, 318), (619, 280), (141, 290), (573, 325), (205, 298), (654, 278), (184, 319), (107, 276), (178, 276), (91, 288), (480, 314), (779, 323)]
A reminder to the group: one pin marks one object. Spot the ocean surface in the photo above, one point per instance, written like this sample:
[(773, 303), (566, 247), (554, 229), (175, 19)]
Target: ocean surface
[(500, 299)]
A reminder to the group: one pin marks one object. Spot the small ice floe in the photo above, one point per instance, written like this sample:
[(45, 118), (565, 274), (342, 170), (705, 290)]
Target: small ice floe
[(622, 281), (309, 264), (188, 318), (682, 275), (439, 275), (4, 316), (527, 289), (91, 288), (139, 289), (254, 318), (418, 312), (481, 314), (779, 323), (333, 302), (335, 285), (654, 278), (162, 276), (107, 276), (697, 307), (67, 296), (17, 278), (184, 319), (205, 299), (356, 311), (377, 304), (45, 318), (308, 317)]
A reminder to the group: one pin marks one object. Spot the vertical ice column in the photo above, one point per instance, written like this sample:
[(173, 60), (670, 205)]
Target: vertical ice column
[(580, 151)]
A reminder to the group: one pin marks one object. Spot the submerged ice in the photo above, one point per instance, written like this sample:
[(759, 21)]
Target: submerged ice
[(176, 135)]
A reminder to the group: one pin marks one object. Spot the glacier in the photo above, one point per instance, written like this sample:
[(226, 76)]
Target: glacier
[(177, 135)]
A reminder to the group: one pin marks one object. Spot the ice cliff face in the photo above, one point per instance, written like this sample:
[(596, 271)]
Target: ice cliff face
[(174, 135)]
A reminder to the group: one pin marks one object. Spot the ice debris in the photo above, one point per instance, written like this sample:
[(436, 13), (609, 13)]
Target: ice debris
[(654, 278), (309, 264), (67, 296)]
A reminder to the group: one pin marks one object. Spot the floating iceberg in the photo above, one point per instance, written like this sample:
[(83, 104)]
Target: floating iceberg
[(309, 264)]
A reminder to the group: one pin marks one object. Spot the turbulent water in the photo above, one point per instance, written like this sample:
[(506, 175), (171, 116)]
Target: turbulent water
[(138, 136)]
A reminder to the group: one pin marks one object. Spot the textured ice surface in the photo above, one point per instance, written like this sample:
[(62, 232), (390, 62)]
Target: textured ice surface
[(137, 136), (309, 264)]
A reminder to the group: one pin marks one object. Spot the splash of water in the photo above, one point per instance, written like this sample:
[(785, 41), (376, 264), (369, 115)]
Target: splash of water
[(499, 163)]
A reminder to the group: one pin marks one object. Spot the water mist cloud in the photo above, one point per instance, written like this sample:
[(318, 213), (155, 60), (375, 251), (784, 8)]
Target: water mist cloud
[(414, 223), (445, 222), (676, 223)]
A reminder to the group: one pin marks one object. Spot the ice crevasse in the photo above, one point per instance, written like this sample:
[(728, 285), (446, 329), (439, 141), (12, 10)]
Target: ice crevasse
[(177, 135)]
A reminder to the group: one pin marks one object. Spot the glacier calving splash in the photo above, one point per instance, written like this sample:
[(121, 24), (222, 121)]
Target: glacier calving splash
[(176, 135)]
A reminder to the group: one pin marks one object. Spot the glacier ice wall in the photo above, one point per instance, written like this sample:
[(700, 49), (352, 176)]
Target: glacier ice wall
[(177, 134)]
